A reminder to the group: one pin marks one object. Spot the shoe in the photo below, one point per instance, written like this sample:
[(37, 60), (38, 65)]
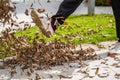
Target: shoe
[(41, 20), (115, 49)]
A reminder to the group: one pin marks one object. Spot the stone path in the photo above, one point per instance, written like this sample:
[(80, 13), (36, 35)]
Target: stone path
[(105, 68)]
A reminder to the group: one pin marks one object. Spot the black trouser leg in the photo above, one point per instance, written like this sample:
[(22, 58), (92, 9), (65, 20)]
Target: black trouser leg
[(116, 11), (66, 8)]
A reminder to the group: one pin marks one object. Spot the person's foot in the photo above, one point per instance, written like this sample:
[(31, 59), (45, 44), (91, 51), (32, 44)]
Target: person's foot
[(41, 20), (115, 49)]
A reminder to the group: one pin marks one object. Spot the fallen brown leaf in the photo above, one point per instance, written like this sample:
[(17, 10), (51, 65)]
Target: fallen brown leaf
[(112, 55)]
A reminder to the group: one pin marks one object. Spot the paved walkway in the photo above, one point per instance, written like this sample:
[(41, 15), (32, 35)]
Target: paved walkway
[(104, 68)]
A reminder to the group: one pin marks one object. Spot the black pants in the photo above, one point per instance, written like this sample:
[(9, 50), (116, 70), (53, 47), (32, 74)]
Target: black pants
[(66, 8), (116, 11)]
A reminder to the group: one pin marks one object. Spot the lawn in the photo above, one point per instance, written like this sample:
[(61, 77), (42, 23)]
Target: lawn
[(79, 29), (32, 57)]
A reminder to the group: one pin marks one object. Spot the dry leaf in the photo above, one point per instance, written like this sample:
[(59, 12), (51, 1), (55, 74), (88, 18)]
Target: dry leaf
[(112, 55), (103, 75), (27, 12), (37, 77), (97, 71), (117, 76), (62, 76)]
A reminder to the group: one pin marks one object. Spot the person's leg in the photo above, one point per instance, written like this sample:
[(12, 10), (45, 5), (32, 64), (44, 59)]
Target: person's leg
[(116, 11), (66, 8)]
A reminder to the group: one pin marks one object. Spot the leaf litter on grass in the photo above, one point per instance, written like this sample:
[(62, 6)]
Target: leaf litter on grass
[(38, 54)]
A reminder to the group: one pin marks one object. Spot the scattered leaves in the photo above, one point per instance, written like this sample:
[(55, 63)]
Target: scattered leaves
[(40, 54), (97, 71), (117, 76), (103, 75), (112, 55), (62, 76), (5, 9)]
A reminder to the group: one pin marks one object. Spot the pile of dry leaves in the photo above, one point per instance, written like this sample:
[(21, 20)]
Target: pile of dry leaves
[(6, 12), (38, 54)]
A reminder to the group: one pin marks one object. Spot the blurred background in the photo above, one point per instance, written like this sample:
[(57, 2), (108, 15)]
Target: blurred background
[(51, 7)]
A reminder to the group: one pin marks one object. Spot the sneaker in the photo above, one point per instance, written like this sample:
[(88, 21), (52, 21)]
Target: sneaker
[(41, 20), (115, 49)]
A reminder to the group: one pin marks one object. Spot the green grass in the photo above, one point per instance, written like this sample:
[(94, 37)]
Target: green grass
[(80, 29)]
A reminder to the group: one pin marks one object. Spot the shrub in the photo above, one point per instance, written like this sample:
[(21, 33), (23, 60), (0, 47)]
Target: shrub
[(102, 2)]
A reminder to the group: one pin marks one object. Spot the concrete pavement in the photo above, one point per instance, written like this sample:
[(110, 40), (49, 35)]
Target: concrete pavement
[(104, 68)]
